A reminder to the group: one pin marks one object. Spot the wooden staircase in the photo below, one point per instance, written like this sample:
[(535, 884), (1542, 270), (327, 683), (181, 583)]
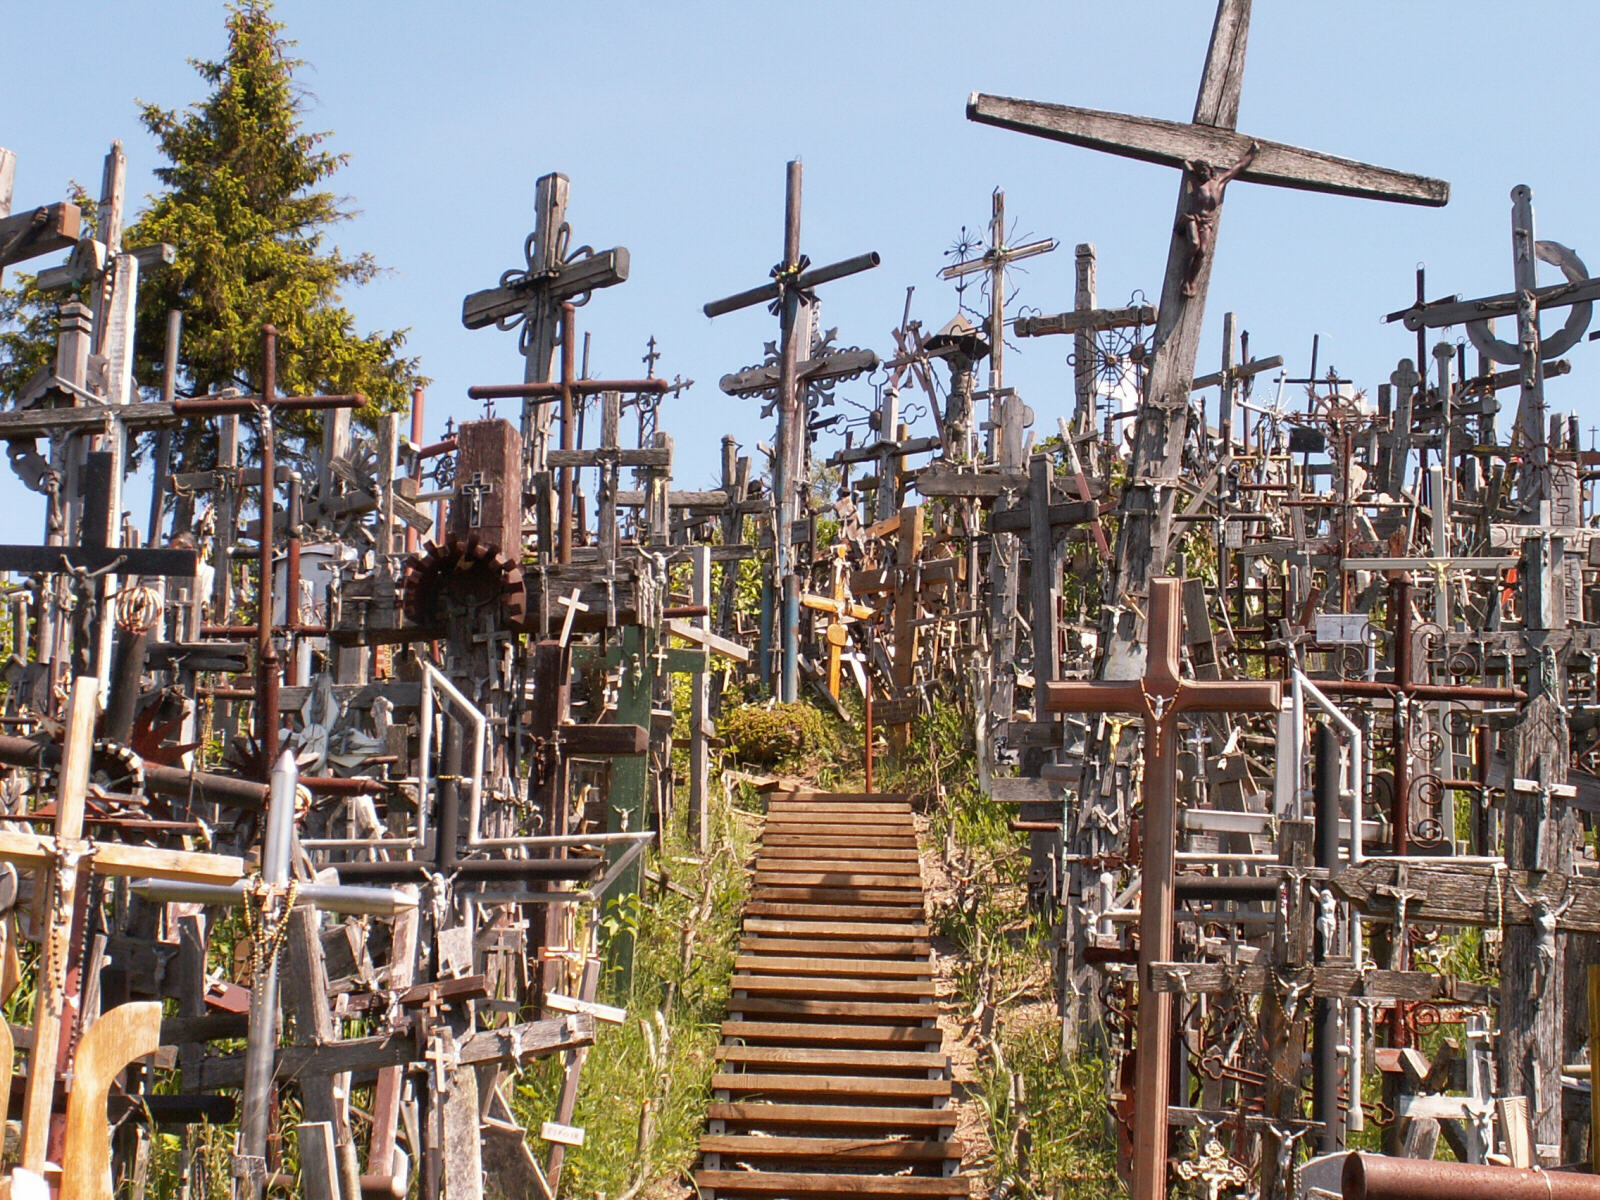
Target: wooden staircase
[(830, 1078)]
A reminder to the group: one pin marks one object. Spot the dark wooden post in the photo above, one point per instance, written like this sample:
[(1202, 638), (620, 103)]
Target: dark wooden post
[(1159, 696)]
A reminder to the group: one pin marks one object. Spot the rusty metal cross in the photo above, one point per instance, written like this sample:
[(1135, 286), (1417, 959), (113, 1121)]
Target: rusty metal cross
[(1159, 696)]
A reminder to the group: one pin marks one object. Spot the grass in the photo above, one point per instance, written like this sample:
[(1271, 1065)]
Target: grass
[(1044, 1114), (645, 1084)]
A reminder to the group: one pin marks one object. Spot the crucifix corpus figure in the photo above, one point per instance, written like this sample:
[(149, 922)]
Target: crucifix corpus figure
[(1198, 226)]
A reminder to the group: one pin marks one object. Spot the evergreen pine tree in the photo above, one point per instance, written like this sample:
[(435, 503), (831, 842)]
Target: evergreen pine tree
[(245, 206)]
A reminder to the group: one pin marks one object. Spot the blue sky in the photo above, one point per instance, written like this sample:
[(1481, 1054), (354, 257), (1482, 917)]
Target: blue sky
[(674, 123)]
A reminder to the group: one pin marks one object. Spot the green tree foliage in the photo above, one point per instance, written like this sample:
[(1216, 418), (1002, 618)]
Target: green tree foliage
[(245, 206)]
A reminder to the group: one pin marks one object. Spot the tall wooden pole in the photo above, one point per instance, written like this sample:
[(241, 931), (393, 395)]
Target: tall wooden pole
[(790, 438), (266, 653)]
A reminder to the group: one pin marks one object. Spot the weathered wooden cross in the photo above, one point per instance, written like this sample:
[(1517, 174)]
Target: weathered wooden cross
[(36, 232), (60, 859), (792, 282), (1208, 151), (553, 276), (1159, 695), (1532, 349)]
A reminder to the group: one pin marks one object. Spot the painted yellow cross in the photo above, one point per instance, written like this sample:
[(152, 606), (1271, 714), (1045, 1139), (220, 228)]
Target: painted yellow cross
[(844, 610)]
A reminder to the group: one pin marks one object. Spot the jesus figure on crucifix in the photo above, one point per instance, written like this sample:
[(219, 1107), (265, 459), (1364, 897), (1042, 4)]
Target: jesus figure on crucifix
[(1199, 225)]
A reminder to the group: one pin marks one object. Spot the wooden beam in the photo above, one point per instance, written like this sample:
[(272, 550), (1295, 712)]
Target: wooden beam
[(1173, 143), (39, 231), (1094, 320)]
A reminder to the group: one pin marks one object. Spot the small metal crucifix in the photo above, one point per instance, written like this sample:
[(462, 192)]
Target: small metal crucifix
[(475, 489)]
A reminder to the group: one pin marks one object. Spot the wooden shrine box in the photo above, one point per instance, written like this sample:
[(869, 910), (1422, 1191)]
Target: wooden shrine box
[(488, 499)]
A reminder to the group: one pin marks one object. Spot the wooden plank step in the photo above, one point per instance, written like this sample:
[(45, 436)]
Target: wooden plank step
[(856, 1011), (841, 968), (831, 895), (810, 826), (837, 929), (830, 1116), (825, 1187), (907, 874), (842, 840), (858, 1062), (824, 987), (893, 917), (841, 797), (784, 876), (841, 853), (897, 920), (897, 862), (852, 807), (774, 1032), (862, 1087), (820, 947), (745, 1147)]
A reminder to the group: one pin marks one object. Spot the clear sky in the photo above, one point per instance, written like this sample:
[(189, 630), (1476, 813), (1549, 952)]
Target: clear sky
[(674, 122)]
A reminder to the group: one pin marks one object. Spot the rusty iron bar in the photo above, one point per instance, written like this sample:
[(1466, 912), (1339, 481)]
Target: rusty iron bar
[(1377, 1177), (1238, 888), (331, 785), (1158, 697), (162, 781), (434, 449), (225, 631)]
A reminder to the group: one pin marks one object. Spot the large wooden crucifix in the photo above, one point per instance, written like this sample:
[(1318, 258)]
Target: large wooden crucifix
[(1159, 695), (1209, 152), (792, 282)]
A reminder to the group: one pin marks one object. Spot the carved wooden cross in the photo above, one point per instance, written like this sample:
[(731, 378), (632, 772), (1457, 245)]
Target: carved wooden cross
[(1231, 375), (842, 608), (1201, 148), (1159, 695), (263, 407), (553, 276), (792, 282), (36, 232)]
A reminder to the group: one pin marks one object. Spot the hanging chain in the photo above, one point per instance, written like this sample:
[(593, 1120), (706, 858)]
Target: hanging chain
[(267, 933)]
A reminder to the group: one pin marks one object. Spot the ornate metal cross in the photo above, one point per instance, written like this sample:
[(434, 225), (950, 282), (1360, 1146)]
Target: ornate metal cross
[(1532, 349)]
